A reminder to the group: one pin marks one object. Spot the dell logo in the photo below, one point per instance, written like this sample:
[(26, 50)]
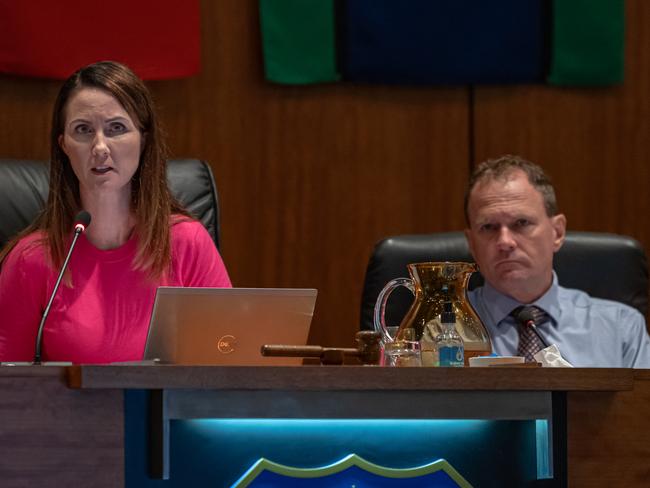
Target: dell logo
[(226, 344)]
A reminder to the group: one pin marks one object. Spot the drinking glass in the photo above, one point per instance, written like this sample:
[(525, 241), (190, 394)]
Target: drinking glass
[(402, 353)]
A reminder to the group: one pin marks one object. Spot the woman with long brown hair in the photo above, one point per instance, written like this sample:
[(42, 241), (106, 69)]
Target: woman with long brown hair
[(107, 158)]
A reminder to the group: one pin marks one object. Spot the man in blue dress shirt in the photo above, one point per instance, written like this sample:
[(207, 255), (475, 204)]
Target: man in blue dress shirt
[(514, 228)]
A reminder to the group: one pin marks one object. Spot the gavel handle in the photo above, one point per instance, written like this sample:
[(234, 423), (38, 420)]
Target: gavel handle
[(368, 351), (282, 350), (277, 350)]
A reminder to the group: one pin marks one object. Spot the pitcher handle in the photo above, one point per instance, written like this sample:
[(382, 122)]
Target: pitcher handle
[(380, 305)]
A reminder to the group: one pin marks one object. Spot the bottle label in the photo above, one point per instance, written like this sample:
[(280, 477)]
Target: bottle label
[(451, 356), (428, 352)]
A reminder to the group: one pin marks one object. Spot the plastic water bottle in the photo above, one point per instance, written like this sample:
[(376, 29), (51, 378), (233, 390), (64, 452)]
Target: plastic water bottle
[(451, 351)]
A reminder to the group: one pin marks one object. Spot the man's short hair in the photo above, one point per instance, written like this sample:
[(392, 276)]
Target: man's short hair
[(501, 168)]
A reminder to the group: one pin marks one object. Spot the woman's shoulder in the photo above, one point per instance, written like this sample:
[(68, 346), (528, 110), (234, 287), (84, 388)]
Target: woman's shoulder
[(29, 250), (187, 229), (195, 258)]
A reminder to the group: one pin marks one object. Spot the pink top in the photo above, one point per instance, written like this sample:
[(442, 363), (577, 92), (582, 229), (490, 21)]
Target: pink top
[(104, 317)]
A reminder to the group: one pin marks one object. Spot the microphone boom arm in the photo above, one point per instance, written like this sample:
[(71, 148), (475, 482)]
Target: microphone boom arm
[(83, 219)]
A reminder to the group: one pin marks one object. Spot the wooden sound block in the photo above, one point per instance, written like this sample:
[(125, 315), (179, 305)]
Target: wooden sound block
[(516, 365)]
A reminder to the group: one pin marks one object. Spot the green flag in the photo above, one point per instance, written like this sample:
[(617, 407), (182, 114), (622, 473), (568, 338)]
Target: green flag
[(587, 42), (299, 41)]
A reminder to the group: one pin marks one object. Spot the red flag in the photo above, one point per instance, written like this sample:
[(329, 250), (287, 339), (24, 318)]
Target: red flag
[(158, 39)]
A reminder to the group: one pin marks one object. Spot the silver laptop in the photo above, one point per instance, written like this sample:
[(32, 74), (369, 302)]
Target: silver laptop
[(227, 326)]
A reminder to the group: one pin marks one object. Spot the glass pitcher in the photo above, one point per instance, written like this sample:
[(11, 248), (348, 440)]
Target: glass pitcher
[(433, 284)]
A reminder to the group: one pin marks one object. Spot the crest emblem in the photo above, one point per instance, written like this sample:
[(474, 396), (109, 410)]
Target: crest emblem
[(350, 471)]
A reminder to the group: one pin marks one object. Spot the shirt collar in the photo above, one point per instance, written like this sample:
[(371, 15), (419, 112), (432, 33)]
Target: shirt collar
[(499, 305)]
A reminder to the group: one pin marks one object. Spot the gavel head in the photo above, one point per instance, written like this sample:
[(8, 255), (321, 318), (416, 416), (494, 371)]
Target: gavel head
[(369, 346)]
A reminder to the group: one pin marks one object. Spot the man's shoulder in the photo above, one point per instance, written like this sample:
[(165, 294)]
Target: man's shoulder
[(582, 300)]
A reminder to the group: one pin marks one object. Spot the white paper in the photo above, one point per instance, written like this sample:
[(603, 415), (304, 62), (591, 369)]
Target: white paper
[(551, 358)]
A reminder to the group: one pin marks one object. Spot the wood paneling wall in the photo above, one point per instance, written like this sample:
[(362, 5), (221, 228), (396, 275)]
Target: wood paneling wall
[(594, 142), (311, 177)]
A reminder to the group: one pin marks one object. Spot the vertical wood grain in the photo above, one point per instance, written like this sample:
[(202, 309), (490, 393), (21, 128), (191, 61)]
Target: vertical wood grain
[(311, 177), (53, 436), (608, 436), (594, 142)]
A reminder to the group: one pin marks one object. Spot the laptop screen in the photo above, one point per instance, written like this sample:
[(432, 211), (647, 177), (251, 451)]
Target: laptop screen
[(227, 326)]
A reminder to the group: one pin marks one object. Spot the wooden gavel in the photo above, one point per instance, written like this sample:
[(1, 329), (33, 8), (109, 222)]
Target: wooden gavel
[(367, 350)]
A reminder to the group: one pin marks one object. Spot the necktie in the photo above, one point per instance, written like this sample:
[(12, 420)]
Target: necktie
[(529, 343)]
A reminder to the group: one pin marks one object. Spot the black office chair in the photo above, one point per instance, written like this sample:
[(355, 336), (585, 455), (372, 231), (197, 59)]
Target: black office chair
[(24, 188), (604, 265)]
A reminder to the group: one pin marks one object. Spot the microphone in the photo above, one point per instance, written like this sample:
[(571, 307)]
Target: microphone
[(82, 220), (527, 319)]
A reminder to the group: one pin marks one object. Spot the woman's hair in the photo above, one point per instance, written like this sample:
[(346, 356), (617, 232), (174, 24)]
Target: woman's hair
[(151, 200)]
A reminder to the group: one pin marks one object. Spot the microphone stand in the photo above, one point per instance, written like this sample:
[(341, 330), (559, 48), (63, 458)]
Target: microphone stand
[(82, 220), (527, 319), (531, 324), (79, 228)]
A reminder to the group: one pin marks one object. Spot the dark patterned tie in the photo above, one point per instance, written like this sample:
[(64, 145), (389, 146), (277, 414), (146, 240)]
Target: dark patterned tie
[(529, 343)]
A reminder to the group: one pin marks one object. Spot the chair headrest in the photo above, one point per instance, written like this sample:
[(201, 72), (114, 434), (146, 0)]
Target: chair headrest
[(606, 266), (24, 189)]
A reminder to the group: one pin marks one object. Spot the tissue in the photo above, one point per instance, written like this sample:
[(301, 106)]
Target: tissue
[(551, 358)]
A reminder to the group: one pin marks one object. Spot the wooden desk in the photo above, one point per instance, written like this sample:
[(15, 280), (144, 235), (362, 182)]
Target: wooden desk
[(62, 425), (55, 436)]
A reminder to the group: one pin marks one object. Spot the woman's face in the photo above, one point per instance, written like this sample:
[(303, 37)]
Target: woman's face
[(102, 142)]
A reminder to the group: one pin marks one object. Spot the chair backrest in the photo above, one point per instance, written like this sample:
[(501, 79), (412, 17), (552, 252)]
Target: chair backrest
[(24, 188), (604, 265)]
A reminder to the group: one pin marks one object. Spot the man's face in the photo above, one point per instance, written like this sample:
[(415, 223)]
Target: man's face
[(512, 238)]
